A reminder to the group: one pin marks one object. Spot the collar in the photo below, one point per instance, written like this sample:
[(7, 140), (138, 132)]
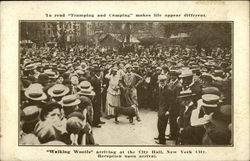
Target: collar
[(174, 81), (98, 77)]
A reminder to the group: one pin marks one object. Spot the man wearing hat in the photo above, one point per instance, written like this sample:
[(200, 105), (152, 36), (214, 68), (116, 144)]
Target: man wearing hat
[(96, 81), (29, 118), (57, 91), (189, 83), (35, 95), (217, 131), (70, 104), (164, 99), (202, 114), (175, 87), (154, 79), (186, 108)]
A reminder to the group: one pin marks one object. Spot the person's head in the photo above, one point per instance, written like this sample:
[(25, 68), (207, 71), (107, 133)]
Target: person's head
[(85, 103), (51, 111), (162, 80), (165, 69), (187, 80), (29, 118), (75, 123), (158, 70), (114, 71), (128, 68), (186, 76), (210, 103), (70, 104), (60, 79), (74, 79), (185, 97), (206, 79), (173, 75), (47, 131)]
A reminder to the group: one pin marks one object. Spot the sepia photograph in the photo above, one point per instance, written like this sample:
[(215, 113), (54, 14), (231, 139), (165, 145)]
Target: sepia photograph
[(125, 83)]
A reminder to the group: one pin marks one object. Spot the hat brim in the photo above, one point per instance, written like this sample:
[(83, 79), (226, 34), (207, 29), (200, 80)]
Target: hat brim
[(50, 92), (208, 105), (43, 97), (184, 96), (29, 69), (76, 102), (92, 93), (185, 75), (90, 88)]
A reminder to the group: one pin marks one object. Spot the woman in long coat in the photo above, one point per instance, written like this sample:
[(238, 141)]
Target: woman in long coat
[(113, 92)]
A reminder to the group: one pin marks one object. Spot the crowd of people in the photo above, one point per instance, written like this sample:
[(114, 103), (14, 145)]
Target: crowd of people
[(67, 92)]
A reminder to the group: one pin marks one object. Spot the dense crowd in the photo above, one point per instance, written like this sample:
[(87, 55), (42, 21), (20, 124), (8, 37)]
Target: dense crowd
[(64, 93)]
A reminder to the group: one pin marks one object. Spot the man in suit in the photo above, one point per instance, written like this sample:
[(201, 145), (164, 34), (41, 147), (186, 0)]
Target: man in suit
[(175, 87), (164, 99), (96, 81), (183, 120)]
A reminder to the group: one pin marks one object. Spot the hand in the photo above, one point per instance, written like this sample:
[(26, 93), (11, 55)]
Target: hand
[(167, 113), (181, 129), (208, 117)]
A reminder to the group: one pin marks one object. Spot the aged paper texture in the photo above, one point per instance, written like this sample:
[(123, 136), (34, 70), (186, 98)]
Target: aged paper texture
[(128, 139)]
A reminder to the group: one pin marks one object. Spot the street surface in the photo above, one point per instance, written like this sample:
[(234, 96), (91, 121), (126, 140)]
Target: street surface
[(124, 133)]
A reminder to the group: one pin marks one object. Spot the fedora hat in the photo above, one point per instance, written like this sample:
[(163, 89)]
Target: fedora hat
[(210, 100), (58, 90), (185, 94), (35, 92), (186, 73), (70, 100)]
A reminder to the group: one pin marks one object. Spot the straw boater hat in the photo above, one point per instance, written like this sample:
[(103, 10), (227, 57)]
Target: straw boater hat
[(186, 73), (86, 89), (70, 100), (30, 67), (51, 74), (185, 94), (210, 100), (35, 92), (58, 90)]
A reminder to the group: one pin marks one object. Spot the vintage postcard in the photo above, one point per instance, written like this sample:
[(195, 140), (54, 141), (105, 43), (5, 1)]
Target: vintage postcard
[(125, 80)]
